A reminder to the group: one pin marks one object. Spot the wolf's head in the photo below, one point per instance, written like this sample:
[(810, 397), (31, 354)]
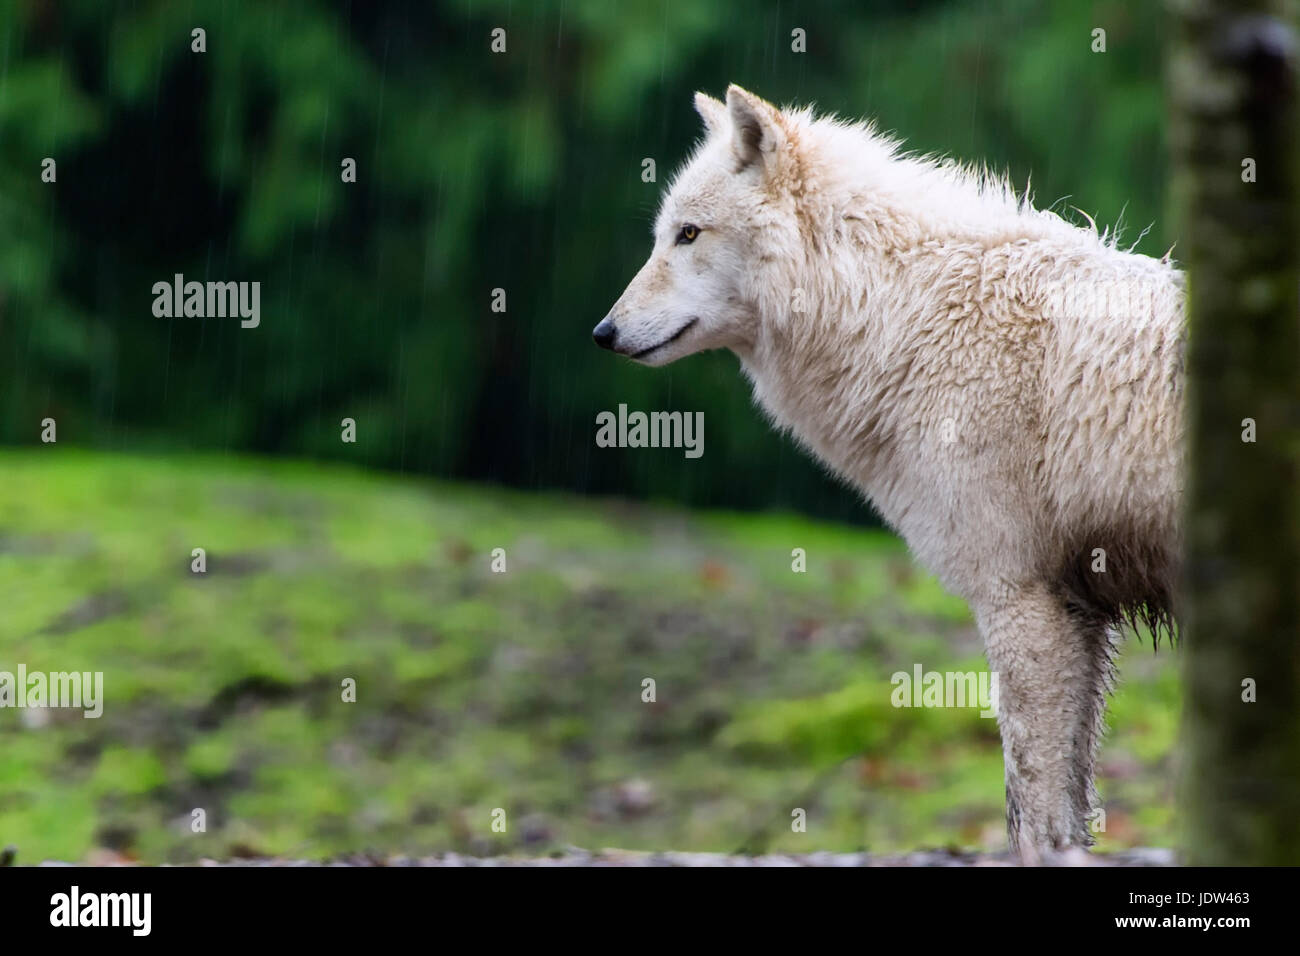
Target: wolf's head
[(692, 293)]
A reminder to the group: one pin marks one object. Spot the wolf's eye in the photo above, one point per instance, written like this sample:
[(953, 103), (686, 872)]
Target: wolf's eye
[(687, 235)]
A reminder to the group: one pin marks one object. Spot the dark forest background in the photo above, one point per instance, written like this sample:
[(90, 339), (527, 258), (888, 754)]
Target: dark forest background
[(475, 171)]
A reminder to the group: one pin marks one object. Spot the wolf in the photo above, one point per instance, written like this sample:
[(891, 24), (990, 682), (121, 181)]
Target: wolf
[(1005, 387)]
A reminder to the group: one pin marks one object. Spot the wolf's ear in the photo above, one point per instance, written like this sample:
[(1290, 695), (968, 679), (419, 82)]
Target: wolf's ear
[(756, 132), (712, 111)]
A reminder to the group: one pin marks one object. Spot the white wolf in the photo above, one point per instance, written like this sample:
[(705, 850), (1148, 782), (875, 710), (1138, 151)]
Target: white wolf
[(1005, 387)]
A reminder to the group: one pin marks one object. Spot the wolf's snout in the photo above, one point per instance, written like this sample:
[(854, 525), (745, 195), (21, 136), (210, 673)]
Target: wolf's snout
[(603, 334)]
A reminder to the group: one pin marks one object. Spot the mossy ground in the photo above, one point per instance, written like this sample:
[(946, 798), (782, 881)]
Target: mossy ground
[(478, 690)]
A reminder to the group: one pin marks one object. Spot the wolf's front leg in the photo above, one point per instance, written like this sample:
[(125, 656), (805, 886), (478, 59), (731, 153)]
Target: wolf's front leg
[(1053, 672)]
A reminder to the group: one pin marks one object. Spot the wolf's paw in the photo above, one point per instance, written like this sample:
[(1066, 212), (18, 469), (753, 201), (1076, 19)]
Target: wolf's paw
[(1054, 856)]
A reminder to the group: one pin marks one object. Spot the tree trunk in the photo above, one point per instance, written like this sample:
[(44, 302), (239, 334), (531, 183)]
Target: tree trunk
[(1232, 76)]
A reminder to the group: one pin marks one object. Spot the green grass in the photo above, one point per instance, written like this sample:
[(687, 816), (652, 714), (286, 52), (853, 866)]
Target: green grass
[(477, 690)]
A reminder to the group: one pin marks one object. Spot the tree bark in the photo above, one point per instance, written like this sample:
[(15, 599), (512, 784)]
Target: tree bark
[(1232, 79)]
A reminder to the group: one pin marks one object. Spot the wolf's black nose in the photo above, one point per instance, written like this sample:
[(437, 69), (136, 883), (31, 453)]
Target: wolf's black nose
[(604, 334)]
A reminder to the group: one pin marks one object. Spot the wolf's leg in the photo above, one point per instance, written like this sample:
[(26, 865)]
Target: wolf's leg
[(1053, 672)]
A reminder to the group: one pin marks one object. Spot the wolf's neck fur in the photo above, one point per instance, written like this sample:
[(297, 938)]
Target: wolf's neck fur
[(894, 254)]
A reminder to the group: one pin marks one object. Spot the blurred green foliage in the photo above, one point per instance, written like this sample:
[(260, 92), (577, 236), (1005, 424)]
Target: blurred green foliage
[(476, 171), (478, 690)]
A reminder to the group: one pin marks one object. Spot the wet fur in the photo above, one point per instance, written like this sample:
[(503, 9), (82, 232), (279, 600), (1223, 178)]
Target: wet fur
[(932, 366)]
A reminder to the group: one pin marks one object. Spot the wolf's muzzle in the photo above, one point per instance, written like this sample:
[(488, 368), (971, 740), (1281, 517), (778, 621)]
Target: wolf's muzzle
[(603, 334)]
